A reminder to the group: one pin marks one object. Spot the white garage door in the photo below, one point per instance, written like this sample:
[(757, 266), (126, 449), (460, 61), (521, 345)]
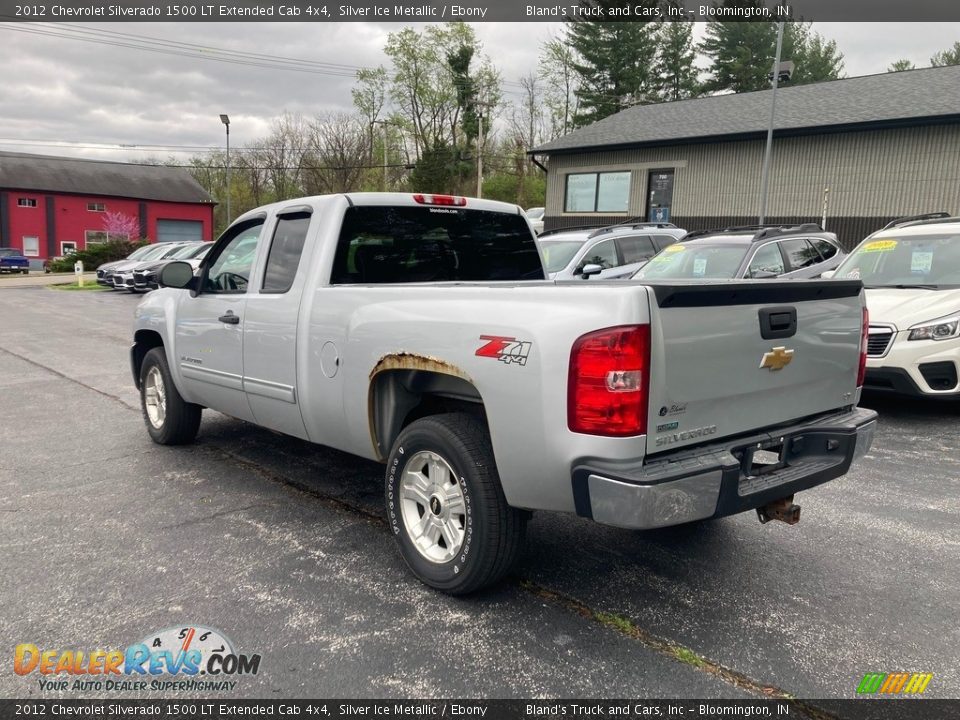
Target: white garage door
[(179, 230)]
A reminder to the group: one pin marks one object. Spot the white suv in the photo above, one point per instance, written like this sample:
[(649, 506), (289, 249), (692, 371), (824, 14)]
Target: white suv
[(911, 272)]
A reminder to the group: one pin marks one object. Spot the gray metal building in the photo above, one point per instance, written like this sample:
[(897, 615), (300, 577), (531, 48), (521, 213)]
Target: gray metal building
[(868, 148)]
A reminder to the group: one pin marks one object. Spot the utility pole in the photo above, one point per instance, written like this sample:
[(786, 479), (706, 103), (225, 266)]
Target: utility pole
[(480, 156), (764, 183), (384, 123)]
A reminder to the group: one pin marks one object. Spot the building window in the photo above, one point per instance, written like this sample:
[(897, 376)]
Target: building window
[(96, 207), (67, 247), (26, 202), (95, 237), (31, 246), (605, 192)]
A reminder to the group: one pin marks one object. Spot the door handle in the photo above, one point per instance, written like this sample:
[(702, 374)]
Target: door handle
[(230, 319)]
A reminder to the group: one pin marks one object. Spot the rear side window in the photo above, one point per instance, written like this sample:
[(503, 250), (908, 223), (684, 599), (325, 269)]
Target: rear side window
[(381, 244), (285, 251), (636, 248), (664, 240), (827, 249), (800, 253)]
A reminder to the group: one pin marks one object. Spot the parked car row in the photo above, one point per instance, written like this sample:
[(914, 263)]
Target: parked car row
[(139, 271)]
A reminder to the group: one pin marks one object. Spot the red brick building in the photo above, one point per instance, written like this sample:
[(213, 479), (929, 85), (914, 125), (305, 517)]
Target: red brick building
[(50, 205)]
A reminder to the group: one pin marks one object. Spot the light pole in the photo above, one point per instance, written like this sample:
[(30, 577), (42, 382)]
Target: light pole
[(225, 119), (773, 109)]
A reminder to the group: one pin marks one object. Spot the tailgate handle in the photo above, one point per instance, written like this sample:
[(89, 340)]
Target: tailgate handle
[(778, 322)]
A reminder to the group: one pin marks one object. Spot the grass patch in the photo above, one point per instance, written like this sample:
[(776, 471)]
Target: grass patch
[(89, 285)]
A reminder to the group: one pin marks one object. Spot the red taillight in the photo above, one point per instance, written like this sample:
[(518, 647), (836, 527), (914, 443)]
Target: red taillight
[(440, 200), (864, 336), (609, 379)]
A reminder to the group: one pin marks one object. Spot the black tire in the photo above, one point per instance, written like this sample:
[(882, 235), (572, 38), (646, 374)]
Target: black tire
[(492, 530), (181, 420)]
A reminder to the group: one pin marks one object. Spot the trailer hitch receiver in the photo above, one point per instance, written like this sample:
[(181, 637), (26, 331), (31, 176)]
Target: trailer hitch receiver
[(783, 510)]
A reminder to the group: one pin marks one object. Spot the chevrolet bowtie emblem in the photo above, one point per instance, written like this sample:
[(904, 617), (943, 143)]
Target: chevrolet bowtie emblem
[(777, 359)]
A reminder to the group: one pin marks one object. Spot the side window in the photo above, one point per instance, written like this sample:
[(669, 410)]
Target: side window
[(766, 260), (285, 250), (232, 261), (664, 241), (603, 254), (636, 248), (827, 249), (800, 253)]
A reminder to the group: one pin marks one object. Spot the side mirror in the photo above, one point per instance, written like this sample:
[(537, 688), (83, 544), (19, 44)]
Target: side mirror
[(827, 274), (177, 274), (763, 275), (591, 269)]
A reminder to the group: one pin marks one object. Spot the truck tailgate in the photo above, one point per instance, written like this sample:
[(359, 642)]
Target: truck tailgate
[(714, 373)]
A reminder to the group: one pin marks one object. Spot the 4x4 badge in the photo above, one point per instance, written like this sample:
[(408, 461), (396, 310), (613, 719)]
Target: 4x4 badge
[(777, 359)]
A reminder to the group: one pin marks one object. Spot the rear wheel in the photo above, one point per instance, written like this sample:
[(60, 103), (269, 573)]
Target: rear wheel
[(169, 418), (446, 507)]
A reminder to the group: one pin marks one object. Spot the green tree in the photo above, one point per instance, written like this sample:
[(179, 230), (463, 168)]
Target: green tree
[(742, 53), (614, 63), (675, 72), (815, 59), (950, 56), (556, 68), (900, 66)]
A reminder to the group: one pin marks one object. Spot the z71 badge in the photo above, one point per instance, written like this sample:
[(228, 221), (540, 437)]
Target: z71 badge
[(505, 349)]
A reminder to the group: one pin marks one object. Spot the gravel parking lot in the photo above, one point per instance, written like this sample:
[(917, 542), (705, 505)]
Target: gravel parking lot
[(107, 537)]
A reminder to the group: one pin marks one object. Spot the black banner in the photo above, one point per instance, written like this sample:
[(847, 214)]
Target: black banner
[(408, 11), (860, 709)]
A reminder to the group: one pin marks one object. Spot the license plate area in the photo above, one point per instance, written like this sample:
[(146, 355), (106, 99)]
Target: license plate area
[(761, 458)]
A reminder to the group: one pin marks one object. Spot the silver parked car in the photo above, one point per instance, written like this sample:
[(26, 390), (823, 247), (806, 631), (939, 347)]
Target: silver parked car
[(618, 250), (756, 252)]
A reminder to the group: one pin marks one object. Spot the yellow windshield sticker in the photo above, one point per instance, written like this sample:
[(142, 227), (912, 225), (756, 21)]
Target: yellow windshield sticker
[(674, 248), (879, 246)]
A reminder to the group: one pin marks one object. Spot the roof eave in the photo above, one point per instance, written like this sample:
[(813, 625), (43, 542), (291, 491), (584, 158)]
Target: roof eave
[(755, 134)]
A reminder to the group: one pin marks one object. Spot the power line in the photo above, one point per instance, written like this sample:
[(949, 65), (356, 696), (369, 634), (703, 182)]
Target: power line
[(192, 50)]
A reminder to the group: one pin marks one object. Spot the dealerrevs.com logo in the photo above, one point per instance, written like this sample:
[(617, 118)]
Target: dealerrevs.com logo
[(898, 683), (189, 657)]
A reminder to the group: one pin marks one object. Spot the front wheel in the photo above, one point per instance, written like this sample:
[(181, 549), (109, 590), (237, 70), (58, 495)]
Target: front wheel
[(446, 507), (169, 418)]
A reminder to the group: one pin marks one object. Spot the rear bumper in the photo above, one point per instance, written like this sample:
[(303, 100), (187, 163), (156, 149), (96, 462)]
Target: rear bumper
[(710, 482)]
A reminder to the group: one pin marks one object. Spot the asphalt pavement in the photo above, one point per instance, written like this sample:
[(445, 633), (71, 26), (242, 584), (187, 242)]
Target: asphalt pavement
[(281, 545)]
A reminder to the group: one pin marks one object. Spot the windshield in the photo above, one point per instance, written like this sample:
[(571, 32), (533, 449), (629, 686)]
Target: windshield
[(917, 260), (535, 213), (7, 252), (140, 252), (187, 251), (557, 255), (693, 262)]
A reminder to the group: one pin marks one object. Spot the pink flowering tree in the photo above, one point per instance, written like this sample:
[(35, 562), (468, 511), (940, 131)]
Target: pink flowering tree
[(120, 226)]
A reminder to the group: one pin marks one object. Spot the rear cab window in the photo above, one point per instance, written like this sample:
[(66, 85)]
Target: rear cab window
[(399, 244)]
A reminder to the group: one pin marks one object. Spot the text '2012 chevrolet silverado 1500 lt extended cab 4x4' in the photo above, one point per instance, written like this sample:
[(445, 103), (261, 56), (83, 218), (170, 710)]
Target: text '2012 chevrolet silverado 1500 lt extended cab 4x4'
[(418, 330)]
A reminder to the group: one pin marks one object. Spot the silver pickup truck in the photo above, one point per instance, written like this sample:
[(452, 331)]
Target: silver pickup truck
[(418, 330)]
